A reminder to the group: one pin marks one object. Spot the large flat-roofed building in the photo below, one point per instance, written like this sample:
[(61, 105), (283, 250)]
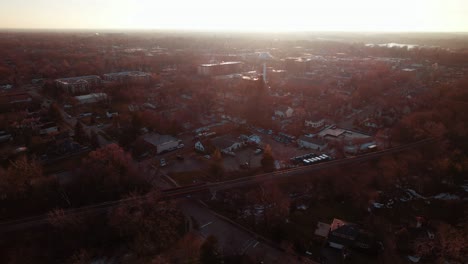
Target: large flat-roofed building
[(335, 134), (127, 77), (161, 143), (80, 84), (223, 68), (312, 143)]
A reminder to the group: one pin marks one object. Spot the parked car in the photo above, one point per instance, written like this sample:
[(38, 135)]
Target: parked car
[(245, 165), (258, 151), (180, 146), (162, 162), (207, 157)]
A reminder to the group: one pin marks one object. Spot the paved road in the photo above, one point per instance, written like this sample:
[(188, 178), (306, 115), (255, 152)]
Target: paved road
[(232, 239)]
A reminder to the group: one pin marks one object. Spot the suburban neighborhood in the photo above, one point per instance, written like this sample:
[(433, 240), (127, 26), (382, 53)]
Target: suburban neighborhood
[(186, 148)]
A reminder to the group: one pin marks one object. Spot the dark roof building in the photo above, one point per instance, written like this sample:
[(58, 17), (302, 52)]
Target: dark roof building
[(343, 234)]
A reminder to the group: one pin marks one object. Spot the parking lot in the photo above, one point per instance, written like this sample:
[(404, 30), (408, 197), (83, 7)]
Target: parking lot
[(282, 151), (243, 156)]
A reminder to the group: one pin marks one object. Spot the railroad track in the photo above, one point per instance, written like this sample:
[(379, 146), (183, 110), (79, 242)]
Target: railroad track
[(174, 193)]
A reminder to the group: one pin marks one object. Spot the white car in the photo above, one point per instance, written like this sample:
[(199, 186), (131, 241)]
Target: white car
[(180, 146)]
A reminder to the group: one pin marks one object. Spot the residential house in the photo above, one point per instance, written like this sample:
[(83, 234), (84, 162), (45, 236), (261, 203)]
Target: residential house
[(284, 112), (161, 143), (371, 123), (227, 143), (348, 235), (199, 147), (252, 139), (312, 143), (111, 113)]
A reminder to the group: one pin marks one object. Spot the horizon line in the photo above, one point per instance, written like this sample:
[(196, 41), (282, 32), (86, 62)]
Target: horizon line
[(195, 30)]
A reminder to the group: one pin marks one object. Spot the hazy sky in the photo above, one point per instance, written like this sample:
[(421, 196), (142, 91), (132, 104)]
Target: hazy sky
[(252, 15)]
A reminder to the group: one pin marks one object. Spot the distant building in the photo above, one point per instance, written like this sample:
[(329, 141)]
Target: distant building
[(91, 98), (111, 113), (222, 68), (199, 147), (4, 136), (284, 112), (371, 123), (342, 135), (264, 56), (15, 98), (314, 123), (128, 77), (48, 128), (360, 148), (161, 143), (312, 143), (81, 84)]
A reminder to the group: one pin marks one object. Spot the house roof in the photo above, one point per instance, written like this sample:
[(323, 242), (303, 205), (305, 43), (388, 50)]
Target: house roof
[(332, 132), (156, 139), (350, 234), (225, 141)]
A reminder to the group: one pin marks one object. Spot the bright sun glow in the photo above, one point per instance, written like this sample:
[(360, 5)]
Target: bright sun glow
[(245, 15)]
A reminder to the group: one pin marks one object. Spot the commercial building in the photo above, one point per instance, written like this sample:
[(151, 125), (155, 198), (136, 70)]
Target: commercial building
[(81, 84), (343, 135), (161, 143), (128, 77), (222, 68)]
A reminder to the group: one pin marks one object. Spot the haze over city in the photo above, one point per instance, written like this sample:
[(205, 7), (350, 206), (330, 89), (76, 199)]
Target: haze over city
[(243, 15)]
